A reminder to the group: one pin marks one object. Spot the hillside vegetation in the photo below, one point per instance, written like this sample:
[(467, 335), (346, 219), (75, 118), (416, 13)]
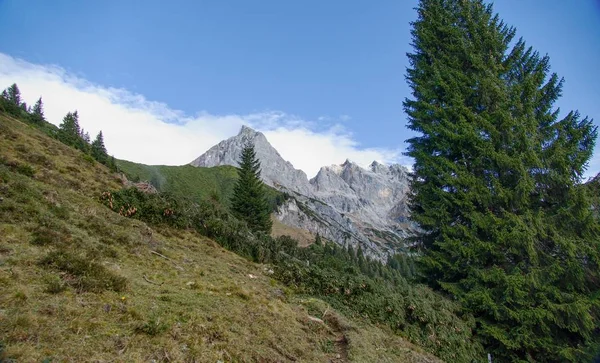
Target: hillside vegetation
[(190, 182), (216, 184), (81, 282)]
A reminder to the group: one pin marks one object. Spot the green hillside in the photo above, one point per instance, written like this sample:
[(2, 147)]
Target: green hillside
[(187, 181), (82, 282)]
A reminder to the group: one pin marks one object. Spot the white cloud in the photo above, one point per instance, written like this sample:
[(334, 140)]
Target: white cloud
[(311, 150), (150, 132)]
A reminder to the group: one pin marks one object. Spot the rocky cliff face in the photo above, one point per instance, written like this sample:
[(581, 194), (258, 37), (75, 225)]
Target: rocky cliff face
[(344, 203), (371, 196)]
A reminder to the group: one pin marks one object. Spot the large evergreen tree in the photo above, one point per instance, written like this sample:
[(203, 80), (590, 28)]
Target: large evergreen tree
[(505, 229), (249, 202)]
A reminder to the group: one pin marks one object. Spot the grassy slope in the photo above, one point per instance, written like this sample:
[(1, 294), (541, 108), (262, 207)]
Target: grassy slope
[(189, 181), (186, 298), (185, 180)]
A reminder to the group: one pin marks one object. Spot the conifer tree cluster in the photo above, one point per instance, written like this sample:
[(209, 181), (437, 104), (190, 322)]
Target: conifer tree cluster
[(506, 228), (69, 131), (11, 102), (249, 202)]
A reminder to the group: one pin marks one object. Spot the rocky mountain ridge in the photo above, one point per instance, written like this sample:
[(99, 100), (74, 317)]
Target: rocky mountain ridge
[(346, 203)]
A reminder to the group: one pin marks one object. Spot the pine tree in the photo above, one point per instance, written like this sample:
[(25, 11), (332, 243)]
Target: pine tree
[(13, 95), (506, 230), (10, 102), (318, 239), (37, 112), (593, 188), (249, 201), (86, 136), (70, 125), (69, 132), (98, 149), (112, 165), (360, 258)]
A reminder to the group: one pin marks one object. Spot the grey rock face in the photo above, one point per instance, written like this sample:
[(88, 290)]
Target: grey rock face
[(376, 196), (344, 203)]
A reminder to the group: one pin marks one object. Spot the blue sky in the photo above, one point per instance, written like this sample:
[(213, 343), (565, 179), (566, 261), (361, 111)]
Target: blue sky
[(327, 63)]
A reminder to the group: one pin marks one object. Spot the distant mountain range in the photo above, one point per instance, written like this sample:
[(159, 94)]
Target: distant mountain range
[(346, 203)]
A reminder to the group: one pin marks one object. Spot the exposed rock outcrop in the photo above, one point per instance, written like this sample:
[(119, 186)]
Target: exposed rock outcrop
[(142, 186), (376, 196)]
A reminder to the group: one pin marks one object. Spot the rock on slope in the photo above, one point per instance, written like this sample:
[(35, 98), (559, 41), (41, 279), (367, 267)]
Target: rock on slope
[(344, 203)]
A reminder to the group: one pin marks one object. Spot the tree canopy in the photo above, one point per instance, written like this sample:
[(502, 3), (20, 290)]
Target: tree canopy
[(37, 112), (13, 95), (70, 133), (506, 229), (11, 101), (98, 149)]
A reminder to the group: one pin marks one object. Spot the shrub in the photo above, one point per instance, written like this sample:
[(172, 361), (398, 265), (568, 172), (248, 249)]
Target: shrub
[(87, 275), (54, 284), (88, 158), (38, 159), (151, 208), (60, 211), (154, 326), (18, 167), (43, 236), (425, 317)]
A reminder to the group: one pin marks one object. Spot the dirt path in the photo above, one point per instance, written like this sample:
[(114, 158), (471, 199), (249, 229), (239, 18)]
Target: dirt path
[(341, 348)]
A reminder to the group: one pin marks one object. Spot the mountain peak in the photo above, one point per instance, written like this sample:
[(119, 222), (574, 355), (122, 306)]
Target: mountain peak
[(378, 167), (246, 130), (275, 170), (348, 162)]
